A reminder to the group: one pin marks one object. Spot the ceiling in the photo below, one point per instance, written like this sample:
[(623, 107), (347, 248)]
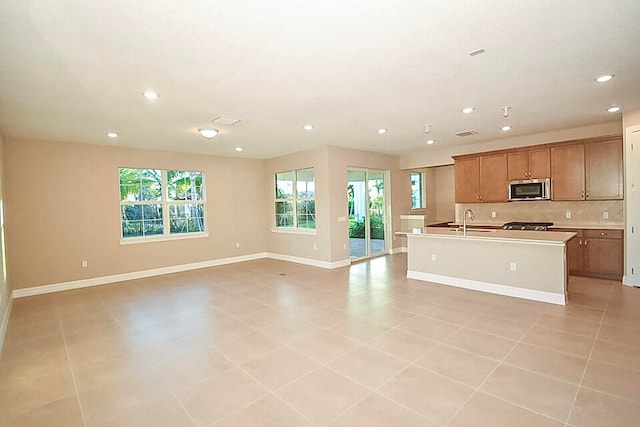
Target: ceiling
[(75, 70)]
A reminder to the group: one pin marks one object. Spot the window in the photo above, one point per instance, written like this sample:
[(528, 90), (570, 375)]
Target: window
[(295, 199), (417, 190), (147, 194)]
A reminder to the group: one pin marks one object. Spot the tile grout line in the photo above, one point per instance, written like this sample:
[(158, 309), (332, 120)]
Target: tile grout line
[(73, 377), (586, 367)]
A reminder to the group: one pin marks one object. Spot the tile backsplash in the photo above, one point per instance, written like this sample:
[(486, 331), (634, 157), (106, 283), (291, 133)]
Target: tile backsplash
[(583, 213)]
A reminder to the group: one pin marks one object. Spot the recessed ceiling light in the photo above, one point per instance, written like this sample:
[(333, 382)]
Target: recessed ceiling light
[(613, 109), (238, 149), (151, 95), (506, 128), (208, 133), (382, 130), (430, 141), (604, 78), (308, 127), (112, 134), (468, 110)]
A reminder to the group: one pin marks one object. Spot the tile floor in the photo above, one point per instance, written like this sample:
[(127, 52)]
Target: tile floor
[(279, 344)]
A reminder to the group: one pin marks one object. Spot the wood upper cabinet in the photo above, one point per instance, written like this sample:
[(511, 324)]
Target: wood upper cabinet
[(587, 171), (528, 164), (567, 172), (604, 170), (467, 180), (481, 179), (493, 178)]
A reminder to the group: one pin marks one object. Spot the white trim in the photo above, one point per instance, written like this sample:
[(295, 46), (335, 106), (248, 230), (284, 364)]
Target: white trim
[(412, 216), (398, 250), (162, 238), (311, 262), (5, 321), (493, 288), (103, 280), (626, 280), (293, 230)]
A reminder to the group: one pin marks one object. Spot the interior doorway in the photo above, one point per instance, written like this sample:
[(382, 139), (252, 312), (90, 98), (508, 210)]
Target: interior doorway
[(367, 209)]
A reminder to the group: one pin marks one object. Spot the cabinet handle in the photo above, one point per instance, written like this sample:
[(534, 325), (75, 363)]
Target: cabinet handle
[(587, 194), (580, 242), (603, 234), (585, 242), (582, 194)]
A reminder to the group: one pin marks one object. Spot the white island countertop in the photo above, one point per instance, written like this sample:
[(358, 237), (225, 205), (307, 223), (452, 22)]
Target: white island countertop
[(550, 237)]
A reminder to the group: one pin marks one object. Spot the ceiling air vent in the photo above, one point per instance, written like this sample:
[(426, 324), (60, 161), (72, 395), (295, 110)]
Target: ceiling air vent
[(466, 133), (225, 121)]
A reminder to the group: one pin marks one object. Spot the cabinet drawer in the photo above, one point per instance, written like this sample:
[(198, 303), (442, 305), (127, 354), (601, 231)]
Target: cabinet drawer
[(603, 234)]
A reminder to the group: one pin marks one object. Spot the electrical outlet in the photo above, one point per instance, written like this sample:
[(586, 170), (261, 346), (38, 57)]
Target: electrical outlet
[(344, 247), (512, 267), (434, 257), (605, 215), (315, 247), (237, 244), (567, 215), (493, 214), (85, 264)]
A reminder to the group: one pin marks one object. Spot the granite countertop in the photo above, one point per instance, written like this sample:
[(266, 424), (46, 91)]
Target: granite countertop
[(553, 237)]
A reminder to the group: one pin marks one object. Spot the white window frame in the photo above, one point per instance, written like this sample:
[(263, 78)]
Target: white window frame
[(166, 204), (423, 202), (295, 229)]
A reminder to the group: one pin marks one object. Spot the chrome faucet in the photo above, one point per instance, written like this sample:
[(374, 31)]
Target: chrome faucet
[(468, 212)]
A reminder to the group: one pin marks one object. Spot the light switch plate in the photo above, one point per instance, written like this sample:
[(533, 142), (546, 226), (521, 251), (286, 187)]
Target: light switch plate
[(567, 215), (493, 214), (605, 215)]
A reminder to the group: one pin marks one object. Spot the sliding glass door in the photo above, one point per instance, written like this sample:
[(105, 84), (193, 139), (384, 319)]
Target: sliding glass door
[(367, 213)]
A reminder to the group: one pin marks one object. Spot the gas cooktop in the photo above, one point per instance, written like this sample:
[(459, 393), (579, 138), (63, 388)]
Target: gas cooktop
[(533, 226)]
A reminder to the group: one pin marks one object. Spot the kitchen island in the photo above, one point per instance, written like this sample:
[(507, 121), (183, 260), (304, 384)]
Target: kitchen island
[(523, 264)]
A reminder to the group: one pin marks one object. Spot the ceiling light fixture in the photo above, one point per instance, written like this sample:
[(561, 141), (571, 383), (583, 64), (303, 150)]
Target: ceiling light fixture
[(604, 78), (151, 95), (238, 149), (112, 134), (468, 110), (208, 133), (613, 109), (505, 111), (308, 127), (476, 52), (506, 128), (382, 130), (430, 141)]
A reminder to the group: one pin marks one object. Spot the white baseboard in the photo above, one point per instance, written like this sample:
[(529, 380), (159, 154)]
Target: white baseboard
[(103, 280), (311, 262), (492, 288), (5, 321), (626, 280), (398, 250)]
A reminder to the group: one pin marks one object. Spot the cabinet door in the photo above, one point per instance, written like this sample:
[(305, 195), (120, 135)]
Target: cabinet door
[(517, 165), (493, 178), (575, 255), (467, 178), (604, 170), (539, 164), (603, 257), (567, 172)]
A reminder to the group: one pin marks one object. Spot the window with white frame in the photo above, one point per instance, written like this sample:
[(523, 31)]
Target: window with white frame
[(417, 190), (156, 202), (295, 205)]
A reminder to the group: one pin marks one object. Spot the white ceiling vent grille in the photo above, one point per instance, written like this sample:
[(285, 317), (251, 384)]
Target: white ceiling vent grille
[(466, 133), (225, 121)]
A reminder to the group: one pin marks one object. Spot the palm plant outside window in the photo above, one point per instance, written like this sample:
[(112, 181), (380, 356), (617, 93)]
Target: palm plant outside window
[(155, 202), (295, 205)]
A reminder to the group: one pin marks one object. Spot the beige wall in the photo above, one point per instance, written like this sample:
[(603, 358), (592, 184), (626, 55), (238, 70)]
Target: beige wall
[(62, 207), (5, 288)]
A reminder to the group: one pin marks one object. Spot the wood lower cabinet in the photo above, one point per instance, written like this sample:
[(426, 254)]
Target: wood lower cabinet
[(595, 253)]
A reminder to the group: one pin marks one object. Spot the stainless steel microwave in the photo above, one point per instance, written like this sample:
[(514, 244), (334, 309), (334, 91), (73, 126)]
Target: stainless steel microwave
[(530, 189)]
